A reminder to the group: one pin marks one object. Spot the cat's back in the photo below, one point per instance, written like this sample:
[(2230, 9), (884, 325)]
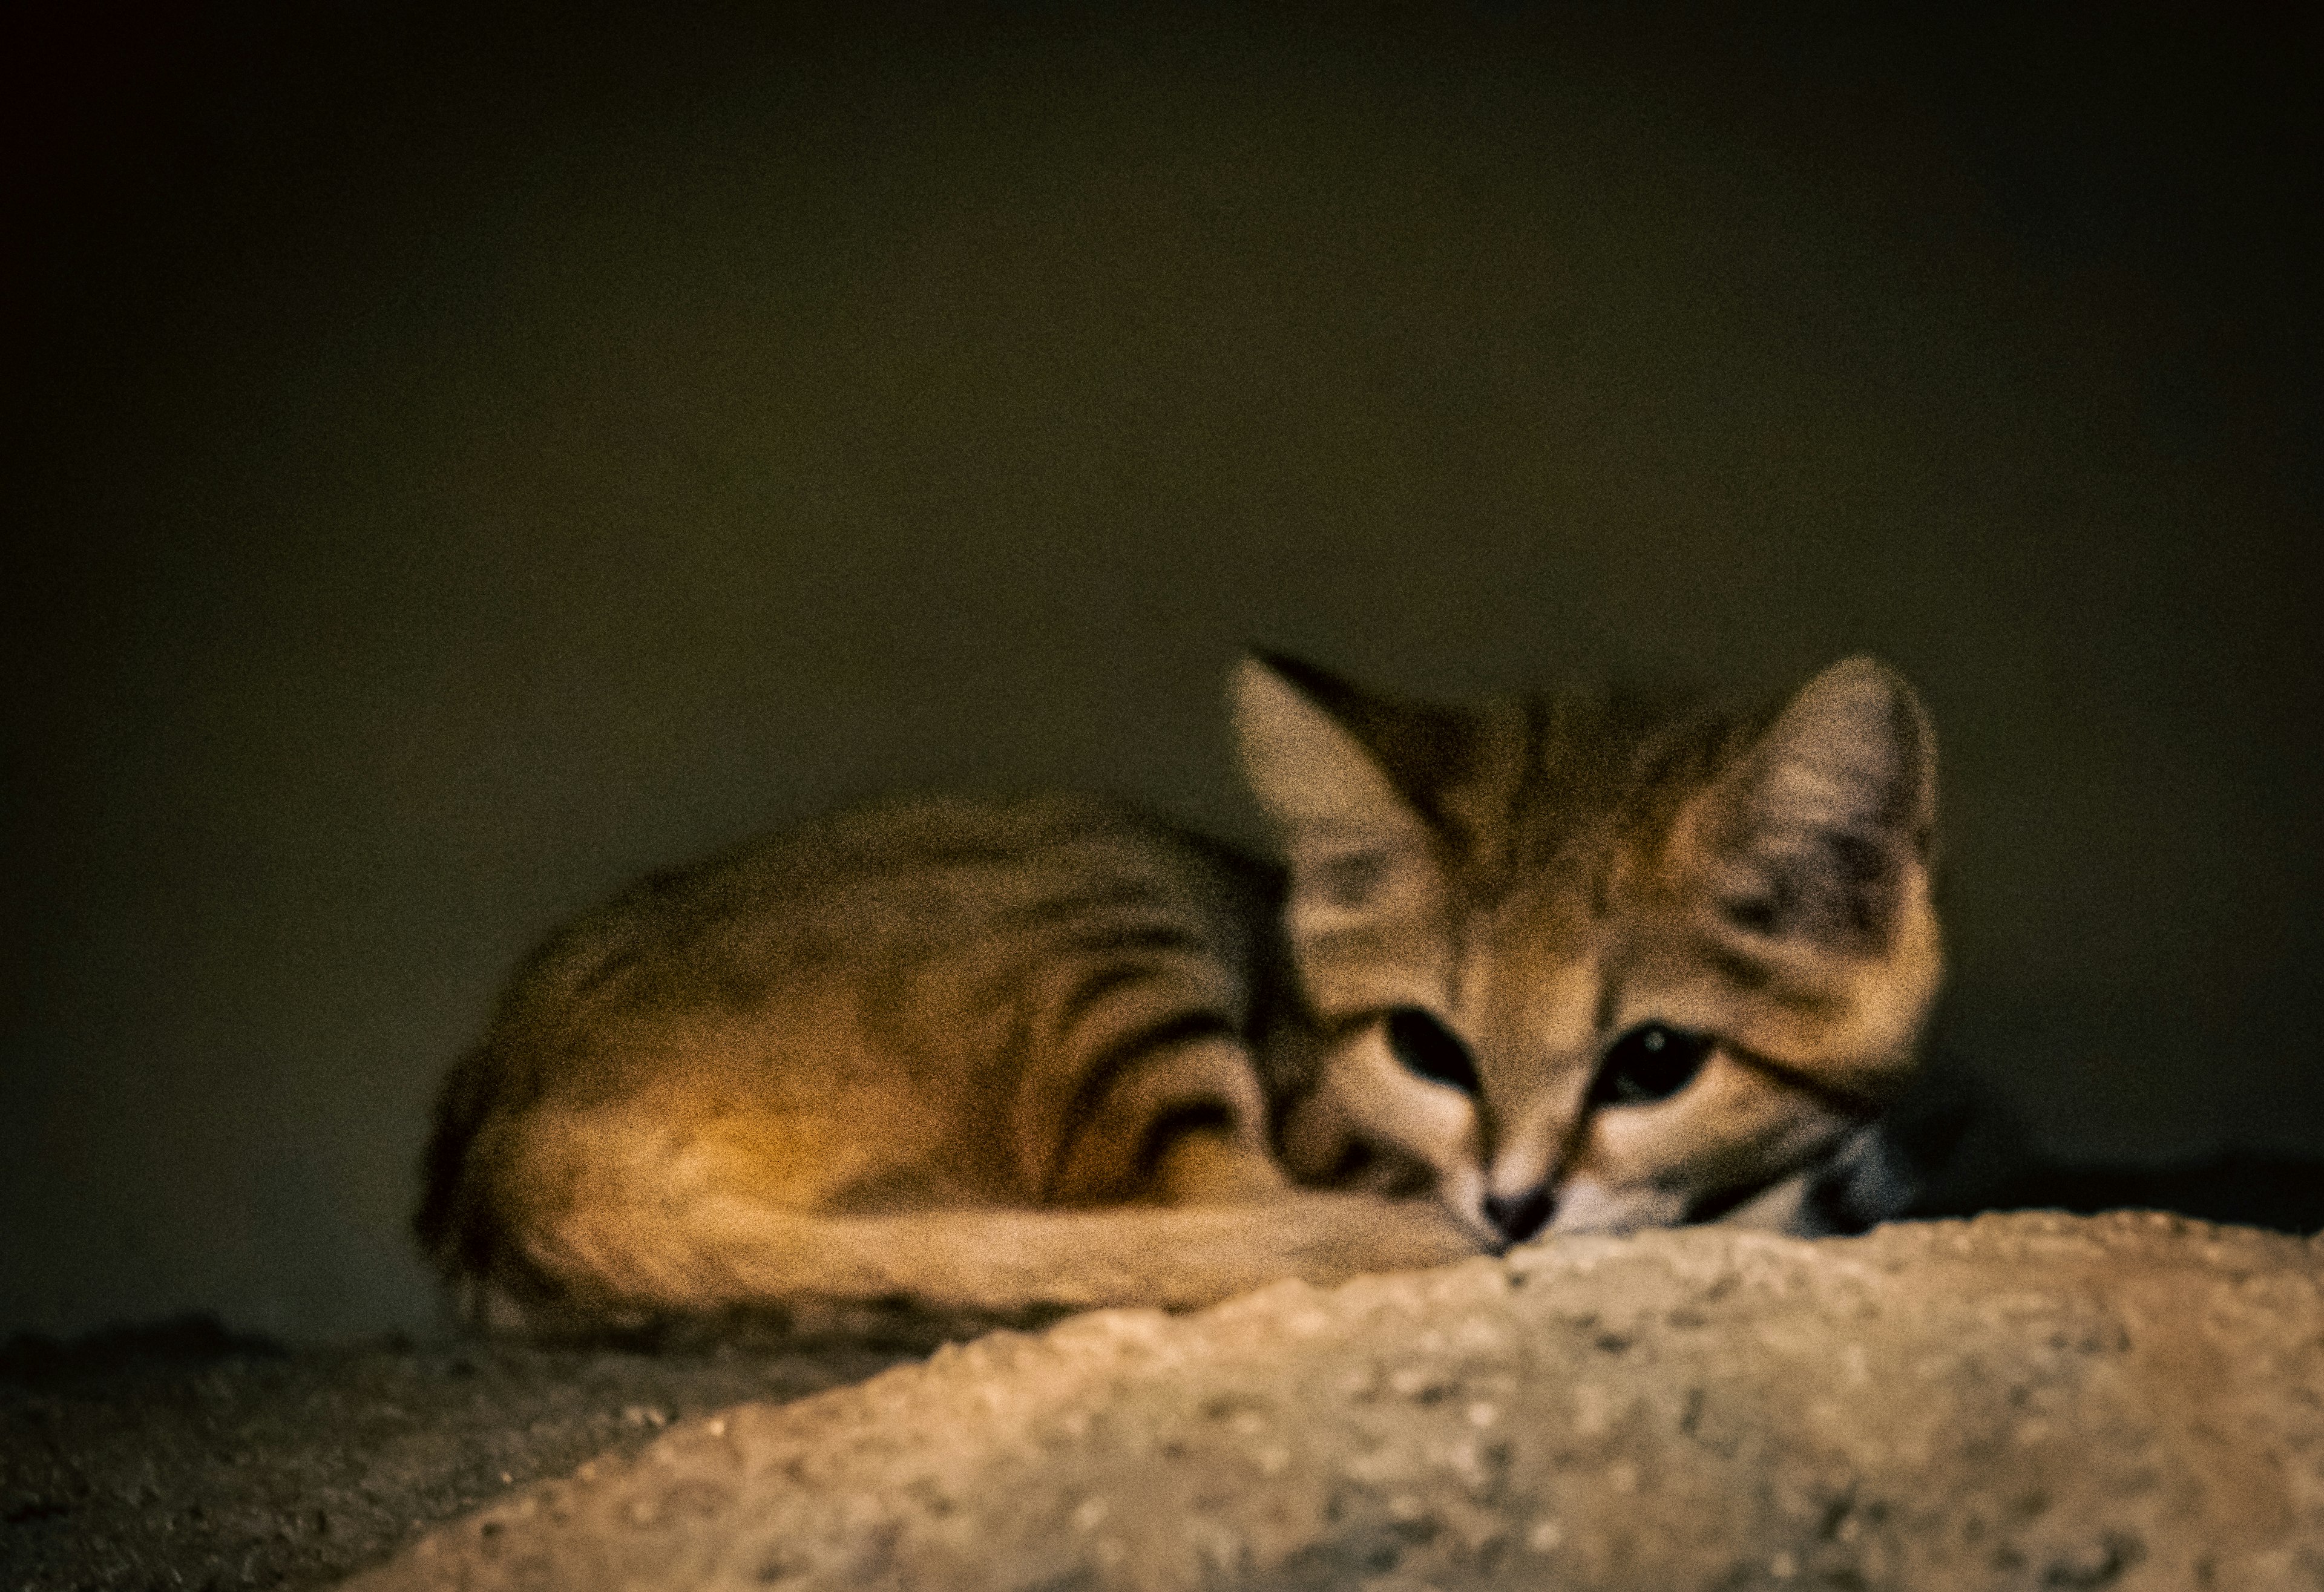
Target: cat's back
[(902, 1006), (895, 901)]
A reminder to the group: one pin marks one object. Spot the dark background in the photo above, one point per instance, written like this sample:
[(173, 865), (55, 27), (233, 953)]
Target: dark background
[(458, 464)]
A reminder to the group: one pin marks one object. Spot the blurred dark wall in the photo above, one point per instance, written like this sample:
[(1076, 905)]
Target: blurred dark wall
[(458, 464)]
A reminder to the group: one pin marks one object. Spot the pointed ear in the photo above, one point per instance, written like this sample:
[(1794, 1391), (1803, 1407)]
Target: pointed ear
[(1309, 770), (1820, 821), (1367, 892)]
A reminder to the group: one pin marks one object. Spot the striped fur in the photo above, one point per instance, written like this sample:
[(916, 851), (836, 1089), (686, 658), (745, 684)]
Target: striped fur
[(1542, 884), (1002, 1060)]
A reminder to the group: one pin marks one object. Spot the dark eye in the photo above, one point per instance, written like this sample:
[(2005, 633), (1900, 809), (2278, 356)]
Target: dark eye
[(1428, 1047), (1650, 1062)]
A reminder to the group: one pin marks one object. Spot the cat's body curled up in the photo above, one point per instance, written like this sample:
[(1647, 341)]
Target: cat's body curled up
[(1550, 963)]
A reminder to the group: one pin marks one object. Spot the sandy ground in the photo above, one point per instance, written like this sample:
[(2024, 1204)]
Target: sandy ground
[(2017, 1402), (180, 1455)]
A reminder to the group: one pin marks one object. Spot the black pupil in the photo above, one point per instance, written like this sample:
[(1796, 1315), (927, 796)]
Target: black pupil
[(1649, 1062), (1426, 1046)]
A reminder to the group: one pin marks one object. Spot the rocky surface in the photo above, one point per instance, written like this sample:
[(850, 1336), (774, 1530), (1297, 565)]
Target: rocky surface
[(2024, 1401)]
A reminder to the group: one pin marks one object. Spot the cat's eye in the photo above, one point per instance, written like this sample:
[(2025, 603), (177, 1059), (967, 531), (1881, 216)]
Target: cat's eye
[(1651, 1062), (1429, 1048)]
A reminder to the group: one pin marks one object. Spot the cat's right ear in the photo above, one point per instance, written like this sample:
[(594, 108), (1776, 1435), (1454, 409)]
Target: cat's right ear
[(1314, 776), (1835, 807)]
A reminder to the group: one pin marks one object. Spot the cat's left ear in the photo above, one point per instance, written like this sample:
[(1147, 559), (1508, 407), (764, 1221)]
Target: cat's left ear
[(1309, 769), (1822, 822), (1333, 766)]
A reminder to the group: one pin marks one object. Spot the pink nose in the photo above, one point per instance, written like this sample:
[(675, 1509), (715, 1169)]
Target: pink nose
[(1521, 1218)]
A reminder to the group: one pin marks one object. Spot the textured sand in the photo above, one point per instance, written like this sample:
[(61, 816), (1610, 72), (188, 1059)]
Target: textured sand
[(2038, 1401)]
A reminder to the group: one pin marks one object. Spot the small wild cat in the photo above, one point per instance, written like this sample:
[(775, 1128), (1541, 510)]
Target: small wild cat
[(1553, 964)]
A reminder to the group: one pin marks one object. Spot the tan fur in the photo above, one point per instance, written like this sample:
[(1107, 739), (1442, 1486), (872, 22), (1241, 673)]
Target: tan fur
[(1543, 877), (1000, 1058)]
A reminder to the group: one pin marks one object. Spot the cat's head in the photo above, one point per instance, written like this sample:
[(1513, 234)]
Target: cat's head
[(1585, 965)]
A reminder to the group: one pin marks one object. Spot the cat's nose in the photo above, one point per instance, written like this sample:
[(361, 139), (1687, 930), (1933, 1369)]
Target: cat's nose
[(1520, 1218)]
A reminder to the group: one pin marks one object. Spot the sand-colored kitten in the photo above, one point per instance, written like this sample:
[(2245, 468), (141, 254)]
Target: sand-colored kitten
[(1545, 965)]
